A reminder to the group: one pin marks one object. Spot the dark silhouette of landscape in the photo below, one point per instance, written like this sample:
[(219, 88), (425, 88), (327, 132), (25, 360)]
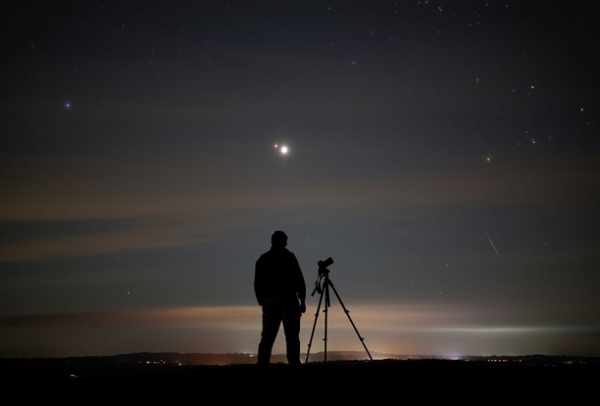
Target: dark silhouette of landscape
[(169, 375)]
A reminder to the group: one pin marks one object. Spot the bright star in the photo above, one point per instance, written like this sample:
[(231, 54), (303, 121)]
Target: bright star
[(284, 150)]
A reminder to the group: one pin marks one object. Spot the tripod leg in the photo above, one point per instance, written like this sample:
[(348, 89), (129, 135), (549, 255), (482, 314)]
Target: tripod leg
[(362, 340), (314, 326), (325, 309)]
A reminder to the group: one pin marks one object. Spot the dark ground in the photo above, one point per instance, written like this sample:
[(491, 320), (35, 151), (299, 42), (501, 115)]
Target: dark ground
[(97, 379)]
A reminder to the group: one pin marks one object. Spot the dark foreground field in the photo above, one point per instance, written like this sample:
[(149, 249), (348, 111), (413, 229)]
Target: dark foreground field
[(74, 380)]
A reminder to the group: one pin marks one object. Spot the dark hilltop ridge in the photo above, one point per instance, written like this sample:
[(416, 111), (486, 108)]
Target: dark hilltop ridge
[(157, 375), (146, 359)]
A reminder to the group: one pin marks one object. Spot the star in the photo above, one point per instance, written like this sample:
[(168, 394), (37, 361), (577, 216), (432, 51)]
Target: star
[(68, 105)]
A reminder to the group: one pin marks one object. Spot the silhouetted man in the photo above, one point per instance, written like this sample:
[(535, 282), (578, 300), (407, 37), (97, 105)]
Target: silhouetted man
[(279, 284)]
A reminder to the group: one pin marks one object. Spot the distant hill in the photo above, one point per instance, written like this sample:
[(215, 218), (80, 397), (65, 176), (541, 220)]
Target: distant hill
[(244, 358), (171, 358)]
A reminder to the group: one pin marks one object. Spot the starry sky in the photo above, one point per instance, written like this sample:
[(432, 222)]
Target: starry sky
[(444, 153)]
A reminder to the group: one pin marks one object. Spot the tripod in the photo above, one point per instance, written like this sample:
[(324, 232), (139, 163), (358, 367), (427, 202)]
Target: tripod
[(322, 286)]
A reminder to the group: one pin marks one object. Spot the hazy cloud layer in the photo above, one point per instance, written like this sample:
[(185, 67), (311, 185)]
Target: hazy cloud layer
[(399, 329)]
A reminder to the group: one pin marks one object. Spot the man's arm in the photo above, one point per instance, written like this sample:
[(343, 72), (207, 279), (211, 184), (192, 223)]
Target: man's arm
[(258, 283), (300, 286)]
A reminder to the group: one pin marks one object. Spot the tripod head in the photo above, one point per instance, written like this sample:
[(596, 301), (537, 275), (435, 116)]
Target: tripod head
[(323, 272)]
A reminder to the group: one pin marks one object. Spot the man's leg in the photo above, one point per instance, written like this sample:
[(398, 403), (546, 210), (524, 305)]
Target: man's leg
[(291, 327), (271, 318)]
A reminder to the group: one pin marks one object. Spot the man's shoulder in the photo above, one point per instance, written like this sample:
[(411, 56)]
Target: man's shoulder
[(264, 256), (285, 253)]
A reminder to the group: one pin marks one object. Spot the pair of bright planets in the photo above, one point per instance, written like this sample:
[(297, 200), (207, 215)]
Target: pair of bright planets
[(283, 149)]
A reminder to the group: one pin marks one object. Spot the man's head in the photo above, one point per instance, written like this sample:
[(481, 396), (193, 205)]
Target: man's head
[(278, 239)]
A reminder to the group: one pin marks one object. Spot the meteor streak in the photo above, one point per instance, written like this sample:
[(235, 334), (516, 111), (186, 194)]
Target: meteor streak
[(491, 242)]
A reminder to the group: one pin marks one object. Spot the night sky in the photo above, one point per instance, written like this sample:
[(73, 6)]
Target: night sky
[(444, 153)]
